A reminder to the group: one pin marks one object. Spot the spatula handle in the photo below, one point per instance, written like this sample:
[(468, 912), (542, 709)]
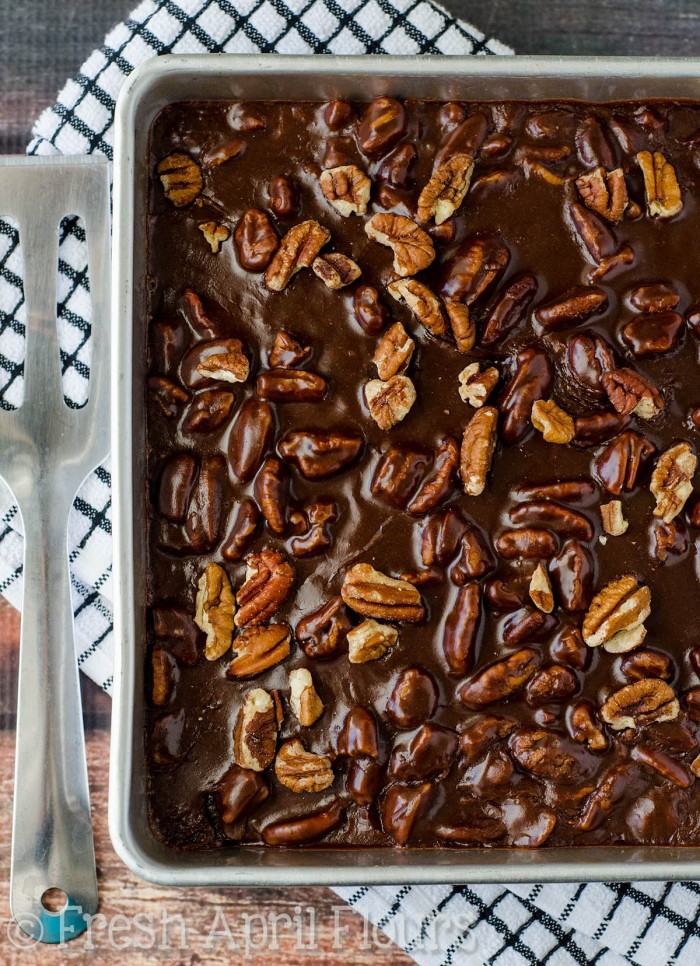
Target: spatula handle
[(52, 844)]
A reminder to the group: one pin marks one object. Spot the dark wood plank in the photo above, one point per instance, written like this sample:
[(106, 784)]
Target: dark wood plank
[(587, 27)]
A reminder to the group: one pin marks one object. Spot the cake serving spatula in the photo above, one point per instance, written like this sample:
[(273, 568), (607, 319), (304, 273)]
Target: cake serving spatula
[(46, 450)]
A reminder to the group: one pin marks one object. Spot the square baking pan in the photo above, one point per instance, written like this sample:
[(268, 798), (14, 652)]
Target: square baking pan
[(165, 80)]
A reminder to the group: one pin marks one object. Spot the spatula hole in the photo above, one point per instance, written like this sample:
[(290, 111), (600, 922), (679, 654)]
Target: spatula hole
[(13, 316), (74, 311), (54, 900)]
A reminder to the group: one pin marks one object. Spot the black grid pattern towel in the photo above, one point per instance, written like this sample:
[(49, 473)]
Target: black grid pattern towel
[(644, 923)]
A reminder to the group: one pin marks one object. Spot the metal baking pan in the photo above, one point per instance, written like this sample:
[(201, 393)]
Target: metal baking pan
[(154, 85)]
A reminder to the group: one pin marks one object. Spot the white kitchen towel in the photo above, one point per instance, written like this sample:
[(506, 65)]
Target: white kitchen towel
[(650, 924)]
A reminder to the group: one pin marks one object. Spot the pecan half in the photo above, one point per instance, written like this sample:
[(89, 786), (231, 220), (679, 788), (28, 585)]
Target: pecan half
[(370, 640), (446, 190), (283, 195), (500, 679), (593, 144), (317, 534), (381, 126), (671, 539), (393, 352), (303, 698), (552, 684), (272, 493), (371, 593), (437, 483), (544, 513), (424, 304), (214, 610), (462, 324), (239, 792), (255, 733), (584, 729), (655, 297), (572, 307), (181, 178), (616, 615), (527, 625), (619, 464), (476, 454), (605, 192), (401, 806), (209, 411), (480, 732), (668, 767), (572, 573), (653, 334), (174, 628), (476, 386), (164, 676), (225, 366), (428, 753), (167, 395), (647, 663), (540, 590), (347, 188), (290, 385), (413, 699), (178, 476), (462, 627), (648, 701), (413, 249), (305, 828), (661, 186), (359, 736), (269, 579), (287, 352), (321, 633), (510, 309), (369, 312), (552, 421), (297, 250), (631, 393), (532, 380), (389, 401), (256, 240), (318, 455), (613, 518), (302, 771), (596, 237), (336, 270), (473, 269), (397, 475), (529, 543), (567, 491), (533, 167), (259, 648), (598, 427), (215, 234), (466, 137), (671, 481), (543, 754)]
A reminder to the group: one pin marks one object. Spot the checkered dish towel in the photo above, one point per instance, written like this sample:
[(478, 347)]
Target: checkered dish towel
[(645, 923)]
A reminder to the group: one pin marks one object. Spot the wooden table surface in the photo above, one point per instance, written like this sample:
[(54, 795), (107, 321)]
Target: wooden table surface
[(43, 42)]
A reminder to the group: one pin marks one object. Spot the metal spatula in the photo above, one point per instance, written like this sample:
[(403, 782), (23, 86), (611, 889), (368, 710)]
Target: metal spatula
[(46, 450)]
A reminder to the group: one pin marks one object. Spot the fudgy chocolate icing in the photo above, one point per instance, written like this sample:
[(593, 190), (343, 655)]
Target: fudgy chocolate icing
[(490, 793)]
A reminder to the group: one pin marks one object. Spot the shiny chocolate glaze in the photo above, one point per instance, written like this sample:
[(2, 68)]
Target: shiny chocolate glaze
[(446, 772)]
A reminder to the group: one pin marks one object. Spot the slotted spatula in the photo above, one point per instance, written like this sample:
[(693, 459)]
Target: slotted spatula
[(46, 450)]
